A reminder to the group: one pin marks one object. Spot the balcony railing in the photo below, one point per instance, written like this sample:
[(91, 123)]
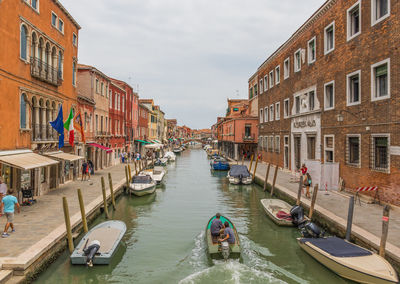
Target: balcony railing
[(250, 137), (44, 72)]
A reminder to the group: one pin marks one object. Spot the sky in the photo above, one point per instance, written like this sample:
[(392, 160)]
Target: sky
[(190, 56)]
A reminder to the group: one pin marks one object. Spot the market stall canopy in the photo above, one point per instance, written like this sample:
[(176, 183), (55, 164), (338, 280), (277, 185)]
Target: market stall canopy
[(64, 156), (108, 150), (142, 141), (27, 161), (154, 146)]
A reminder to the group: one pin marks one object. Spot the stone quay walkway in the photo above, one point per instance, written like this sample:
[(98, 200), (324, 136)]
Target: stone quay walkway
[(367, 218), (38, 226)]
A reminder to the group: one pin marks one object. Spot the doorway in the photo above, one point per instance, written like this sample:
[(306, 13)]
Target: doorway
[(297, 151)]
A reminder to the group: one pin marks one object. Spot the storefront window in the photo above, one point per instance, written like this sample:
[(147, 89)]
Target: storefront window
[(25, 179), (6, 174), (42, 175), (66, 170)]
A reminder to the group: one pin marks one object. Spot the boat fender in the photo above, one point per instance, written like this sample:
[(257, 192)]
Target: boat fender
[(91, 251)]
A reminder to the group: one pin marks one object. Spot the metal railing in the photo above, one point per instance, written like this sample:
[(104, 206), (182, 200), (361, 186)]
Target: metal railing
[(250, 137), (44, 72)]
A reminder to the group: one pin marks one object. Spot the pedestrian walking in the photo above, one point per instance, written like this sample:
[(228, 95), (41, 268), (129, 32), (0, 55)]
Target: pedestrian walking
[(90, 169), (8, 204), (84, 170), (3, 190), (307, 184)]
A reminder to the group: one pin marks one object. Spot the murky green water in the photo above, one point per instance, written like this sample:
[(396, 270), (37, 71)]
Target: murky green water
[(165, 242)]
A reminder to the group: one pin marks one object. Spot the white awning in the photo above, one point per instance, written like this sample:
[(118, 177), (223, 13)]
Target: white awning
[(27, 161), (64, 156)]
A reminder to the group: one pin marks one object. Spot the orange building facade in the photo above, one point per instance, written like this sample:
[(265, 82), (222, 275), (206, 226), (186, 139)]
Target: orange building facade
[(38, 60)]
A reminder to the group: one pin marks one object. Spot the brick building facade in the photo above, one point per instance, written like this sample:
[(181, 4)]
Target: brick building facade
[(329, 96)]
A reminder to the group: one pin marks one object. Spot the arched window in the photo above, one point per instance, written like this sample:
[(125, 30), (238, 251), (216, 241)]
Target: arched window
[(74, 73), (24, 41), (22, 112), (60, 65)]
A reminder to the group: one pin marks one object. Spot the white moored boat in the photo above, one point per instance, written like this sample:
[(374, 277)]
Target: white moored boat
[(278, 210), (239, 174), (170, 156), (349, 260), (99, 244), (157, 174), (142, 184)]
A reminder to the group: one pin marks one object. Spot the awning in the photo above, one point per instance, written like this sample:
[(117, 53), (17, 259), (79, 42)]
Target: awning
[(108, 150), (64, 156), (27, 161), (142, 141)]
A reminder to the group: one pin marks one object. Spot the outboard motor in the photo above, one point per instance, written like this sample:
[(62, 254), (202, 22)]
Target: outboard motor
[(225, 249), (91, 251), (311, 230), (297, 214)]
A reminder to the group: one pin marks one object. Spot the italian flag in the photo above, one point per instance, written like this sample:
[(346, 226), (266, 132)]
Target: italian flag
[(69, 125)]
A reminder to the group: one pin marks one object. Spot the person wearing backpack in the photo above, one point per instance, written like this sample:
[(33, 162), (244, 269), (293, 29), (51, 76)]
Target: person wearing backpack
[(307, 184)]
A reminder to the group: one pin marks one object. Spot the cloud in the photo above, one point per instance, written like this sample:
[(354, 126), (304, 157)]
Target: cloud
[(189, 55)]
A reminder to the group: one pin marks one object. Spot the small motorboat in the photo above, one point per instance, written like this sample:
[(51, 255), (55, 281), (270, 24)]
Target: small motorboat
[(239, 174), (278, 210), (222, 250), (177, 150), (170, 156), (349, 260), (219, 164), (157, 174), (99, 244), (161, 162), (142, 184)]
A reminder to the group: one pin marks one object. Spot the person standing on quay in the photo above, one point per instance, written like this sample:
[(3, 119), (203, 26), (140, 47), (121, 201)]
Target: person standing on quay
[(3, 190), (8, 203)]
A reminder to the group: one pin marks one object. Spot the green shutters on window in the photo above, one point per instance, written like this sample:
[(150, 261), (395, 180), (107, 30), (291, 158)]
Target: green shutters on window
[(381, 70)]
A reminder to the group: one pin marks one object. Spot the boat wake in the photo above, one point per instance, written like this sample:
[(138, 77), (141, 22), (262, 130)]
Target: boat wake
[(252, 270)]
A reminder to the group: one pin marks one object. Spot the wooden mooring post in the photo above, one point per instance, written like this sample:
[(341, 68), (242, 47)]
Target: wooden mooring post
[(299, 190), (274, 180), (313, 200), (83, 213), (255, 169), (129, 172), (68, 225), (111, 190), (350, 218), (251, 163), (266, 177), (103, 189), (385, 230)]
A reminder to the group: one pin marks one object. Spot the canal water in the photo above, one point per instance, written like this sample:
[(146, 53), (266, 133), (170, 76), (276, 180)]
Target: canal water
[(165, 241)]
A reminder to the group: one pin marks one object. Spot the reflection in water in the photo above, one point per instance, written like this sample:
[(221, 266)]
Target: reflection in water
[(165, 240)]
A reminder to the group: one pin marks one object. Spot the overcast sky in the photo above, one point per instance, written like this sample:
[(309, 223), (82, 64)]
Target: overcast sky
[(188, 55)]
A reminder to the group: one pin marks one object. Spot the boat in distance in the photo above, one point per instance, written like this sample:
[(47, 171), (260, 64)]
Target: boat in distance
[(142, 184), (99, 244), (219, 164), (349, 260), (215, 249)]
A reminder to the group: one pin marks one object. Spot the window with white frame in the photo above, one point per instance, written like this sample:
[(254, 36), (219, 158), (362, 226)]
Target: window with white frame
[(354, 88), (380, 80), (54, 19), (278, 111), (265, 83), (286, 68), (260, 142), (277, 75), (266, 114), (261, 85), (329, 146), (101, 88), (380, 152), (271, 79), (74, 39), (297, 104), (97, 86), (329, 38), (311, 146), (286, 108), (311, 100), (271, 143), (265, 143), (353, 150), (261, 115), (353, 21), (380, 10), (271, 113), (329, 95), (255, 90), (61, 25), (311, 50), (297, 61), (277, 144)]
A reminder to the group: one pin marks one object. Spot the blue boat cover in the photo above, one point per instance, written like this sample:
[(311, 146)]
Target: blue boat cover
[(337, 247), (141, 179), (239, 171)]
